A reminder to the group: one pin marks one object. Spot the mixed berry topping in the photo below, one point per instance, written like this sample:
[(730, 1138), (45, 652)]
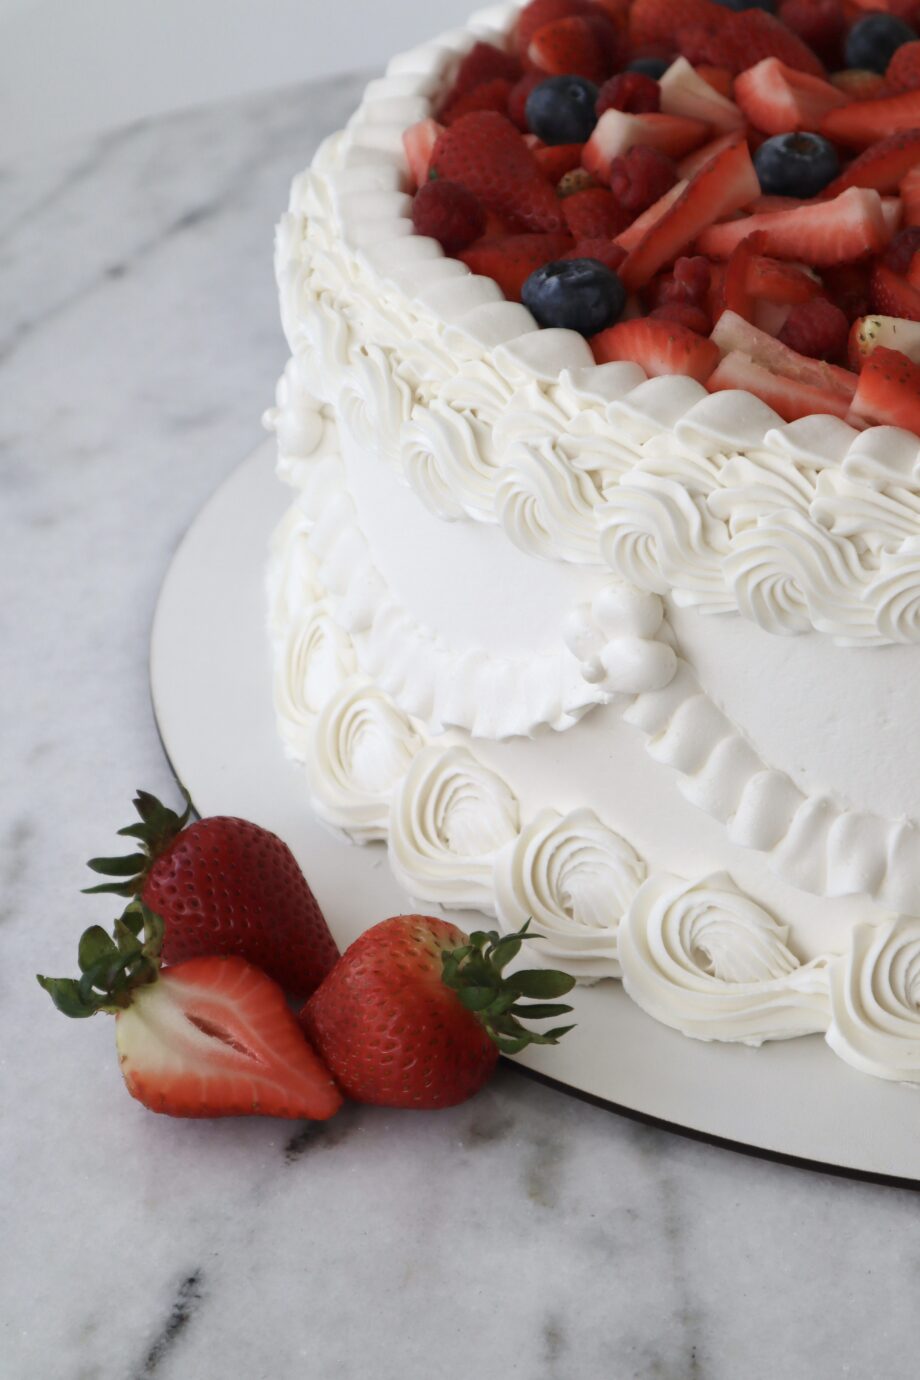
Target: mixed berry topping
[(729, 191)]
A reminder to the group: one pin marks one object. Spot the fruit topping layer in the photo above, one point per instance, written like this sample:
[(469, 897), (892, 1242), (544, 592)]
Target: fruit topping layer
[(725, 190)]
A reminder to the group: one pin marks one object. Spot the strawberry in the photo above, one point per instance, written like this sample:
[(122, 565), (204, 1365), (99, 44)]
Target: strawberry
[(724, 185), (790, 398), (816, 328), (640, 178), (739, 40), (633, 92), (819, 233), (419, 141), (616, 132), (910, 197), (517, 98), (903, 71), (719, 78), (491, 95), (818, 23), (859, 84), (611, 39), (539, 13), (778, 99), (848, 286), (869, 332), (883, 165), (209, 1037), (642, 224), (606, 252), (902, 249), (447, 213), (737, 295), (685, 92), (594, 214), (557, 160), (889, 390), (510, 259), (690, 165), (654, 23), (569, 47), (488, 156), (733, 335), (866, 122), (484, 63), (684, 314), (660, 347), (416, 1012), (223, 886), (892, 295)]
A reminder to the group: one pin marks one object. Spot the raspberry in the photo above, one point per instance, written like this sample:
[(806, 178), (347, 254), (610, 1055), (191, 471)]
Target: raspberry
[(640, 177), (848, 286), (594, 214), (686, 285), (517, 100), (630, 91), (685, 314), (819, 23), (902, 249), (903, 72), (449, 214), (817, 329)]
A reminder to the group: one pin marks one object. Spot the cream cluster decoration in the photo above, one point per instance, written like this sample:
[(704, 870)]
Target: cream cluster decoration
[(616, 640), (705, 959), (575, 879), (875, 1001)]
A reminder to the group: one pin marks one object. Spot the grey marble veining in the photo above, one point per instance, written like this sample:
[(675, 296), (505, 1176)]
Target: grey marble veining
[(525, 1234)]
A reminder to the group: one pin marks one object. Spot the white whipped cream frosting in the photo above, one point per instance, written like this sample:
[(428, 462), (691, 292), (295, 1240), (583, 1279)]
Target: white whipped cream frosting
[(875, 1001)]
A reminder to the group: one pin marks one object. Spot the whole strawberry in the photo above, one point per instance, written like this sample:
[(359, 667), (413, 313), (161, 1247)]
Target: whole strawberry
[(416, 1012), (224, 886)]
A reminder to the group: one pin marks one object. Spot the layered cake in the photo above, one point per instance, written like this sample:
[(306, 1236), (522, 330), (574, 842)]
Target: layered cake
[(591, 622)]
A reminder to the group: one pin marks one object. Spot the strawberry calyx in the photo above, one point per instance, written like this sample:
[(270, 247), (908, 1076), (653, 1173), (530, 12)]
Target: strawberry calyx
[(155, 831), (112, 966), (499, 1001)]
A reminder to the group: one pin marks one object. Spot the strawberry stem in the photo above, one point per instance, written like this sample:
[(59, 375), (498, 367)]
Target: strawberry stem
[(111, 966), (475, 971), (155, 831)]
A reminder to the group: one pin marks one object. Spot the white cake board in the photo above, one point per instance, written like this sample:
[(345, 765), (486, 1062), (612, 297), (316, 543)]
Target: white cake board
[(211, 683)]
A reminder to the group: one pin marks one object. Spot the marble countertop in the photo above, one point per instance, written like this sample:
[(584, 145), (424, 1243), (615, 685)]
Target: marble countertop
[(525, 1234)]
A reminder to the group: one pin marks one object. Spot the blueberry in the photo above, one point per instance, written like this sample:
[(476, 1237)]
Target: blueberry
[(561, 110), (649, 67), (873, 41), (578, 294), (768, 5), (798, 165)]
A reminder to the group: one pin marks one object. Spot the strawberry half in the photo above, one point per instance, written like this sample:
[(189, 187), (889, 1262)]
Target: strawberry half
[(738, 41), (889, 390), (790, 398), (568, 47), (510, 259), (869, 332), (866, 122), (778, 100), (484, 153), (210, 1037), (892, 295), (617, 131), (882, 166), (659, 346), (850, 227), (419, 141), (223, 886), (416, 1012)]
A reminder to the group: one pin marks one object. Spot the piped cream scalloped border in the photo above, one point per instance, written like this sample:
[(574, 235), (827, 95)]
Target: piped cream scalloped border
[(796, 526)]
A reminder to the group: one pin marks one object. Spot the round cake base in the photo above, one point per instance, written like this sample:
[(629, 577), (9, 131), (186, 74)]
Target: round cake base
[(211, 683)]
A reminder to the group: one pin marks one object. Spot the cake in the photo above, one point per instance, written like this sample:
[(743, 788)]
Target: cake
[(612, 651)]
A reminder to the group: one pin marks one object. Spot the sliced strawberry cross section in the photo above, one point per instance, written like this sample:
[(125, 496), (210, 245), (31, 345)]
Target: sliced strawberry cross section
[(850, 227), (889, 390), (659, 346)]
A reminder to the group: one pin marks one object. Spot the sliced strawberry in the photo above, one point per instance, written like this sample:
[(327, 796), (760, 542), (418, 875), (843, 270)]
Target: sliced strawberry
[(779, 100), (660, 347), (719, 78), (487, 155), (910, 197), (869, 332), (633, 92), (594, 214), (817, 329), (569, 47), (724, 185), (684, 314), (883, 165), (733, 335), (484, 63), (510, 259), (771, 280), (539, 13), (889, 390), (419, 141), (555, 160), (685, 92), (616, 132), (866, 122), (642, 224), (737, 295), (607, 252), (903, 71), (690, 165), (654, 23), (640, 178), (829, 232), (739, 40), (517, 99), (892, 295), (791, 398)]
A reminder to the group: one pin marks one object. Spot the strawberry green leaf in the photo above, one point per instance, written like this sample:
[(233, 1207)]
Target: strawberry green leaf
[(65, 994), (541, 1011), (476, 998), (95, 945), (540, 982)]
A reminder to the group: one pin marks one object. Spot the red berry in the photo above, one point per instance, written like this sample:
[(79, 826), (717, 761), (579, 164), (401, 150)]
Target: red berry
[(817, 329), (484, 62), (489, 157), (902, 249), (594, 214), (685, 314), (449, 214), (491, 95), (630, 91), (517, 99), (541, 12), (569, 47), (903, 72), (640, 177), (693, 276), (819, 23), (848, 286), (607, 252)]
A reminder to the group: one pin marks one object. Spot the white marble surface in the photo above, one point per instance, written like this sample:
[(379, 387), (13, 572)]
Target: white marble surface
[(525, 1234)]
